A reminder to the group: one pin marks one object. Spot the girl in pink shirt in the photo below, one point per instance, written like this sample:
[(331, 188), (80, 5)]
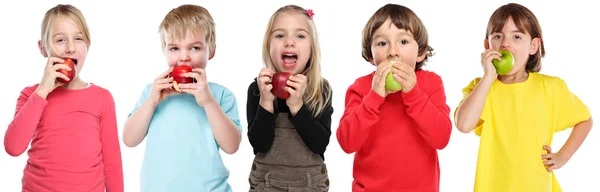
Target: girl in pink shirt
[(71, 124)]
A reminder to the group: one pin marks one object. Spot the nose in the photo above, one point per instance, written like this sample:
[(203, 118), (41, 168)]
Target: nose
[(70, 47), (393, 50), (184, 56), (505, 43), (290, 42)]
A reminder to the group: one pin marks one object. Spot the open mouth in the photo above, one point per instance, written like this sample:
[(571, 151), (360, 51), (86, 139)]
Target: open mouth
[(289, 60)]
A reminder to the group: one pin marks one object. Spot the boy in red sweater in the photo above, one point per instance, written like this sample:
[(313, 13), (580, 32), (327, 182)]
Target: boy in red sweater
[(395, 132)]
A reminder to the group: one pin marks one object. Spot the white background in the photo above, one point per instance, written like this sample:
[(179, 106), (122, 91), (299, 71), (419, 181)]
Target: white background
[(126, 55)]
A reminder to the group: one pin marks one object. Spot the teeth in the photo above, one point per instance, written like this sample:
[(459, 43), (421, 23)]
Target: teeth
[(289, 55)]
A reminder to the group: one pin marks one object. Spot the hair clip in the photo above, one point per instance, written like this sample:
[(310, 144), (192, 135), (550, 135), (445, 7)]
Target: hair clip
[(310, 13)]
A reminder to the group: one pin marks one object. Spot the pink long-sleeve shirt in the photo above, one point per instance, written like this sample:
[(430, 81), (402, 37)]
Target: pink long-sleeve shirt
[(74, 140)]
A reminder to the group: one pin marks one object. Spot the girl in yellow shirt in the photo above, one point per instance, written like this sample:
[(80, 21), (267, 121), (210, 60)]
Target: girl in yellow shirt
[(516, 110)]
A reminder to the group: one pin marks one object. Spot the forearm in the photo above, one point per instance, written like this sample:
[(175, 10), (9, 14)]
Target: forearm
[(225, 131), (22, 128), (359, 115), (578, 135), (430, 114), (314, 132), (469, 112), (136, 126), (261, 129)]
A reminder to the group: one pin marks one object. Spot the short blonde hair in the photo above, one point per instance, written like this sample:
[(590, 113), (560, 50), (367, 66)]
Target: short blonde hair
[(61, 10), (186, 18), (316, 85)]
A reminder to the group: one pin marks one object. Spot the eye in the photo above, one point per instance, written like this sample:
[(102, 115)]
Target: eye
[(497, 36), (517, 37), (279, 36), (173, 49), (382, 43), (301, 36), (196, 48), (79, 38), (59, 40), (404, 42)]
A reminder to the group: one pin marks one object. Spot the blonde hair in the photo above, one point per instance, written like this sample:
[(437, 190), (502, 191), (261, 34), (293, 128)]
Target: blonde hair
[(58, 11), (187, 18), (316, 84)]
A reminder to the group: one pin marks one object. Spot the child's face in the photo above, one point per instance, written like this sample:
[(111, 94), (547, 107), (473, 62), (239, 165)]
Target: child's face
[(519, 43), (192, 50), (290, 46), (389, 42), (68, 41)]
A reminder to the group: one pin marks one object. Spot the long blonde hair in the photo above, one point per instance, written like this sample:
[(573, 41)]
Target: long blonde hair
[(316, 84), (70, 12)]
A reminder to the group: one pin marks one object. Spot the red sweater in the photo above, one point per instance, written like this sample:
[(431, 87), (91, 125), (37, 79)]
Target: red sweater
[(74, 140), (396, 138)]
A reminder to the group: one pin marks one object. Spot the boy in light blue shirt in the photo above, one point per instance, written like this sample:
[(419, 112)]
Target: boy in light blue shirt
[(186, 122)]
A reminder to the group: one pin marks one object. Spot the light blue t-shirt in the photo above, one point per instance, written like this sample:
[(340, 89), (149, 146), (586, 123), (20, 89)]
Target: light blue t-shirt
[(181, 152)]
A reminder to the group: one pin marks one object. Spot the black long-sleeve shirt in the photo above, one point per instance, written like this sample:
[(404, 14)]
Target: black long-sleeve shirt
[(314, 131)]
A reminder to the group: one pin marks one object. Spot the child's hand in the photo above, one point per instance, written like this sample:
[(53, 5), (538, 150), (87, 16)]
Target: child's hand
[(486, 61), (264, 85), (296, 86), (381, 72), (199, 89), (49, 82), (553, 161), (405, 75), (161, 87)]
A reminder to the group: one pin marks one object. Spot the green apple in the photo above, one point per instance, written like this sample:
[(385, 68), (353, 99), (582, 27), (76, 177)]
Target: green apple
[(505, 66), (391, 84)]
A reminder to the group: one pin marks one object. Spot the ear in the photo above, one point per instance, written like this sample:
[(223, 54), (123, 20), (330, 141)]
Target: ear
[(535, 45), (42, 49), (372, 62), (486, 44), (422, 56), (213, 49)]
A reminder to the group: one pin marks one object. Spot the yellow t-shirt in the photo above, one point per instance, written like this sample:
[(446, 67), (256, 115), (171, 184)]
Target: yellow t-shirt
[(516, 121)]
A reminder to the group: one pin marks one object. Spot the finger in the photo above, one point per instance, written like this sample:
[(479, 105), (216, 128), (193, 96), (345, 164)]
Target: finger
[(165, 80), (194, 75), (187, 86), (268, 87), (298, 79), (547, 148), (549, 162), (198, 70), (548, 156), (164, 86), (552, 168), (62, 76), (290, 90), (61, 66), (294, 85), (264, 80), (53, 60), (265, 72)]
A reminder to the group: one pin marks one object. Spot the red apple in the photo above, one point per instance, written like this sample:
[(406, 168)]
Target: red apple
[(70, 74), (279, 83), (178, 77)]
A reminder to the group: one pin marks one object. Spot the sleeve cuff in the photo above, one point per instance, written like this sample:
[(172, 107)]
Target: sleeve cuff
[(37, 100), (265, 115), (373, 100), (414, 94), (303, 116)]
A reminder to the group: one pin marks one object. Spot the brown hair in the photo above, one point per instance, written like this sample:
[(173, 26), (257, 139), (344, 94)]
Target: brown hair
[(68, 11), (526, 22), (403, 18), (188, 18), (316, 85)]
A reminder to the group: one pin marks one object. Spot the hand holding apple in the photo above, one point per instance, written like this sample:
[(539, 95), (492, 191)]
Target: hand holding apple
[(405, 75), (379, 78), (52, 76), (486, 62), (392, 84), (161, 88), (280, 82), (178, 77), (199, 89), (296, 86), (264, 85), (504, 65)]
